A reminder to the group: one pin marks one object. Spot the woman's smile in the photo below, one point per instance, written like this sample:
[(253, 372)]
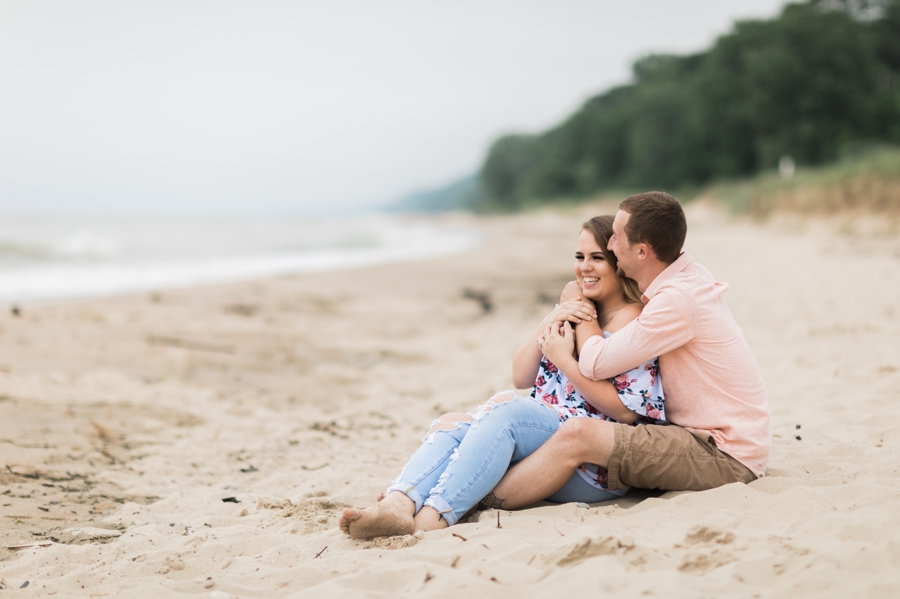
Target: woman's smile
[(593, 272)]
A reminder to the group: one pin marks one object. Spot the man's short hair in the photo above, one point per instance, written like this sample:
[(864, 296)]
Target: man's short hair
[(657, 220)]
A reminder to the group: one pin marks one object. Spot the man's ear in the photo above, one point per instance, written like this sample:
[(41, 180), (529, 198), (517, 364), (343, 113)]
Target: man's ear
[(645, 252)]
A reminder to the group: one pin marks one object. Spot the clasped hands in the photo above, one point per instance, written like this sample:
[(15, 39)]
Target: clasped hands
[(558, 338), (557, 342)]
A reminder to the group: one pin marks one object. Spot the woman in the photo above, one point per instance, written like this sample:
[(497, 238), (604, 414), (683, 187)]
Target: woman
[(465, 455)]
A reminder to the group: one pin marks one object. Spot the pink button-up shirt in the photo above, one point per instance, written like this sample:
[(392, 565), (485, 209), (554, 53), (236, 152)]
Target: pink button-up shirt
[(711, 379)]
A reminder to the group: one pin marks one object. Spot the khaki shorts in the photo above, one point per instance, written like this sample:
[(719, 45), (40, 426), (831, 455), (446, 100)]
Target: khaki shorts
[(670, 458)]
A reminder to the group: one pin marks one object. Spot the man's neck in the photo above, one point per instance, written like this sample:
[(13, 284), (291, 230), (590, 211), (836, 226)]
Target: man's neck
[(645, 278)]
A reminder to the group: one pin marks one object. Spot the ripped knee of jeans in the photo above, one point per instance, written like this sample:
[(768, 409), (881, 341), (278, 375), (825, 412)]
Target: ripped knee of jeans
[(447, 423), (496, 400)]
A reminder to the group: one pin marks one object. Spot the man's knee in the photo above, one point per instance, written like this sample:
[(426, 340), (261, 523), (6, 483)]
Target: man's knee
[(578, 429), (581, 439)]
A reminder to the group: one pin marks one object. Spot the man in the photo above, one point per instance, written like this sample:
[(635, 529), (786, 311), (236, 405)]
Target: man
[(715, 396)]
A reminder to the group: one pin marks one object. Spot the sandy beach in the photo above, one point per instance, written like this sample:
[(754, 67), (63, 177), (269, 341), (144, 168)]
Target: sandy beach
[(201, 442)]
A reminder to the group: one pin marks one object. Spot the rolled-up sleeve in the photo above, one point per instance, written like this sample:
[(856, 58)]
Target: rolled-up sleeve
[(666, 323)]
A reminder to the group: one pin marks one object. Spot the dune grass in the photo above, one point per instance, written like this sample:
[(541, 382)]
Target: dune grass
[(864, 181)]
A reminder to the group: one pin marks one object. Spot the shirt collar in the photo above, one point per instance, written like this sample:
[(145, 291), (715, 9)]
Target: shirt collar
[(682, 262)]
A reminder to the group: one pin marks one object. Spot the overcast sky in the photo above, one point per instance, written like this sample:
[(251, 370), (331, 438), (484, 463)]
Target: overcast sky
[(287, 108)]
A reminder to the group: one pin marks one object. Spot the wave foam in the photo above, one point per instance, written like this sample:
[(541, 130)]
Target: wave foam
[(86, 263)]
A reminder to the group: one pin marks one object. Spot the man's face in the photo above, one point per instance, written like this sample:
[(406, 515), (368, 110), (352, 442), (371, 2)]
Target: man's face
[(619, 245)]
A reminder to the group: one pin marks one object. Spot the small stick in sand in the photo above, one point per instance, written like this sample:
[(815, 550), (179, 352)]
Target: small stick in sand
[(219, 348), (29, 546), (103, 432), (498, 520), (460, 537), (321, 552)]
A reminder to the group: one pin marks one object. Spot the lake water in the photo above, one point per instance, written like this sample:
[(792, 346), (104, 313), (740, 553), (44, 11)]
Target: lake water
[(43, 259)]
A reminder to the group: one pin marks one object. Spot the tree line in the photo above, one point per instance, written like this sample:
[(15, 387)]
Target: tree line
[(821, 78)]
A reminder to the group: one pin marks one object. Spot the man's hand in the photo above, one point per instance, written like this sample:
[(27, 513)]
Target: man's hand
[(558, 342), (572, 291), (575, 311)]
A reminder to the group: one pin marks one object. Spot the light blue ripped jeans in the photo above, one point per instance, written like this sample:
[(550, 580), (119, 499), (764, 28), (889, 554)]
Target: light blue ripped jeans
[(455, 468)]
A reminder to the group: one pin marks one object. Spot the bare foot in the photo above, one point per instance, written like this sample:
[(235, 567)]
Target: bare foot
[(384, 519), (429, 519)]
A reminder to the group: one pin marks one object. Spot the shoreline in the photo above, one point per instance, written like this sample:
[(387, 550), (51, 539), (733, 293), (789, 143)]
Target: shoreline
[(80, 262), (131, 420)]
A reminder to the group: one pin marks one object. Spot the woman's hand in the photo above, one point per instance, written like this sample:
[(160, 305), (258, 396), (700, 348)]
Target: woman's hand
[(527, 358), (573, 311), (558, 342)]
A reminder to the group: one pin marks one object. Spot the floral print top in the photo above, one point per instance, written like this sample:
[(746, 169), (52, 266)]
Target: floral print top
[(640, 390)]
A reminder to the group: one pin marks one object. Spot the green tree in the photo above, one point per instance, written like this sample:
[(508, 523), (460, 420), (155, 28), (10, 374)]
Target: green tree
[(822, 76), (509, 161)]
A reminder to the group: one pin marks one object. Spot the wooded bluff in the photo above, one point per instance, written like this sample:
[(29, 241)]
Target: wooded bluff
[(818, 81)]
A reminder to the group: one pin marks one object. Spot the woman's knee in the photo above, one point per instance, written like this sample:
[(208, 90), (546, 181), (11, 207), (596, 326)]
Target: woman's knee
[(496, 400), (450, 421), (503, 398)]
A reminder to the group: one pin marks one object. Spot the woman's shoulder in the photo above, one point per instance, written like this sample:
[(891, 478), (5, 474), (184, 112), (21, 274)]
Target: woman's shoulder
[(624, 316)]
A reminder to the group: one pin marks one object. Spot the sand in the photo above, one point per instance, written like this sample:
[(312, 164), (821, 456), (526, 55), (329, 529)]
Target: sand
[(201, 442)]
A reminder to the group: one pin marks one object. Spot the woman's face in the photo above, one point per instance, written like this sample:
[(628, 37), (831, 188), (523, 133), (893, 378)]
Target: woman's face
[(595, 275)]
